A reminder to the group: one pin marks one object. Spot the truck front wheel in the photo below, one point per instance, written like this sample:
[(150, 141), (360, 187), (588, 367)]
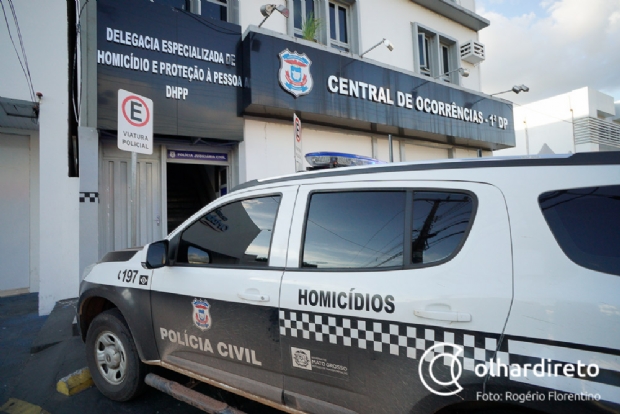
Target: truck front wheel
[(112, 357)]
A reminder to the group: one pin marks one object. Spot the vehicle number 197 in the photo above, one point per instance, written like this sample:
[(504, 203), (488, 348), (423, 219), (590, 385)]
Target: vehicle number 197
[(127, 276)]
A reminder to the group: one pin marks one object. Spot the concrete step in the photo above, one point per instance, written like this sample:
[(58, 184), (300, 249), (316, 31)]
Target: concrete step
[(61, 324)]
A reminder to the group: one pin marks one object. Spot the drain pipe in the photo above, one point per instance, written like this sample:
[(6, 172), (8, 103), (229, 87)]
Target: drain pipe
[(390, 146)]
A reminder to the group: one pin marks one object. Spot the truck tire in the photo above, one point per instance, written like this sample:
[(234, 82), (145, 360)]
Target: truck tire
[(113, 360)]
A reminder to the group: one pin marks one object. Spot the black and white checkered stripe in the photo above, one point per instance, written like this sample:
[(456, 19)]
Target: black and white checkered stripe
[(89, 197), (412, 341), (405, 340)]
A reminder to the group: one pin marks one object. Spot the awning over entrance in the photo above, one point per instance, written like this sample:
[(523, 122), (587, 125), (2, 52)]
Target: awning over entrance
[(18, 114)]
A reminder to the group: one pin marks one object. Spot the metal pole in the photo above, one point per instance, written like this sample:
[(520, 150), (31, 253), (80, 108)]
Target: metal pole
[(527, 139), (390, 146), (133, 202)]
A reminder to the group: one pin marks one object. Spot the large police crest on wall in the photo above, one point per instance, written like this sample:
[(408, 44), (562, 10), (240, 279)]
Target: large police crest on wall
[(294, 74)]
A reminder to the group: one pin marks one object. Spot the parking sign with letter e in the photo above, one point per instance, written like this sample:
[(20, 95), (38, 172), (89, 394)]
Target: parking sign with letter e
[(135, 122)]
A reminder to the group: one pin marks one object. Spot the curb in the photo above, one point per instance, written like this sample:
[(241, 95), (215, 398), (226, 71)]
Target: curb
[(58, 326), (15, 406), (75, 382)]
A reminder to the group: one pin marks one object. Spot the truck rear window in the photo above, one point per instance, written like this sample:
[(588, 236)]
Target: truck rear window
[(586, 224)]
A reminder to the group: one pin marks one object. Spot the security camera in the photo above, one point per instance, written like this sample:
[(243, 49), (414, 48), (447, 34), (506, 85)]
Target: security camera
[(267, 9)]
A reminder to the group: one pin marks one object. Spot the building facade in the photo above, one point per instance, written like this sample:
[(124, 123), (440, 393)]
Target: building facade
[(224, 93), (583, 120)]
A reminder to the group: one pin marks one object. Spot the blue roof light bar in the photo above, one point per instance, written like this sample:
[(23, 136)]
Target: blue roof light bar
[(319, 160)]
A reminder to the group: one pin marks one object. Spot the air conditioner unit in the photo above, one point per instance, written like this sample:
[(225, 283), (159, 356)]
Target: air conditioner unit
[(472, 52)]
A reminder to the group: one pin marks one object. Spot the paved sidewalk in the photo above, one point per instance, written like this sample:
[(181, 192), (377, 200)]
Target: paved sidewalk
[(19, 325)]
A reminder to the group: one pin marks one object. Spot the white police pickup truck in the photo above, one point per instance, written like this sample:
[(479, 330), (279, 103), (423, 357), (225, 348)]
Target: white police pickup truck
[(487, 285)]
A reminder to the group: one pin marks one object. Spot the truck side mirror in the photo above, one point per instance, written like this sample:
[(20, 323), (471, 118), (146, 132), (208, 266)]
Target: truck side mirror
[(157, 255)]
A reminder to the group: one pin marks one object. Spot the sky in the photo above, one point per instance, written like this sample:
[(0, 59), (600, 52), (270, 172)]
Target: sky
[(552, 46)]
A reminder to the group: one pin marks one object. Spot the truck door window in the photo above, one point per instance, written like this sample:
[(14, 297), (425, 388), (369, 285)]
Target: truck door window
[(440, 223), (238, 233), (355, 230), (586, 224)]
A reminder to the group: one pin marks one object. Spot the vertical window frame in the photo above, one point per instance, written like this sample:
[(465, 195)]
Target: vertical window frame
[(423, 40), (338, 43), (323, 35), (445, 63)]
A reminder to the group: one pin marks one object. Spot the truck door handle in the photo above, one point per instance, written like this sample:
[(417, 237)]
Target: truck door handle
[(253, 295), (443, 315)]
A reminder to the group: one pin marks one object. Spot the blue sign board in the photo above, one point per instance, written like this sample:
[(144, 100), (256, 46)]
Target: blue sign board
[(198, 156)]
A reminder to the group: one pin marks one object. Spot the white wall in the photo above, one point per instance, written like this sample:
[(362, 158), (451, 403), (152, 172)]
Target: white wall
[(383, 149), (249, 14), (422, 153), (268, 151), (35, 211), (549, 121), (392, 19), (43, 25)]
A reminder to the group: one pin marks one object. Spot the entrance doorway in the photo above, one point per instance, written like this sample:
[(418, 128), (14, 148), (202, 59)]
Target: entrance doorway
[(15, 209), (190, 187), (115, 205)]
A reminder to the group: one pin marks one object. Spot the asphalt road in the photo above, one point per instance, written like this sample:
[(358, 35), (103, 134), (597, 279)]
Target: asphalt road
[(30, 380)]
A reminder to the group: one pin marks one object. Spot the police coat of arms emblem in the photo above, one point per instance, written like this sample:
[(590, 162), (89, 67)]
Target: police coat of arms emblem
[(202, 319), (294, 74)]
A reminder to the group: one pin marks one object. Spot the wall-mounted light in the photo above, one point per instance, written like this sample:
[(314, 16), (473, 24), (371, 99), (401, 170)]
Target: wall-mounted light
[(267, 9), (464, 73), (384, 42), (516, 89)]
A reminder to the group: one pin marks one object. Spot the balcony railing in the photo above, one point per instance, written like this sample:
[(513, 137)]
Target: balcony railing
[(597, 131)]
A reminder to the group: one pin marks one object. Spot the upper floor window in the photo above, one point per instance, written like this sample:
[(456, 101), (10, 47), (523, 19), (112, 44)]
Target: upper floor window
[(223, 10), (423, 51), (339, 22), (437, 55), (179, 4), (238, 234), (445, 62), (303, 11), (215, 9)]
